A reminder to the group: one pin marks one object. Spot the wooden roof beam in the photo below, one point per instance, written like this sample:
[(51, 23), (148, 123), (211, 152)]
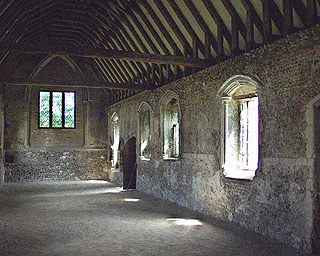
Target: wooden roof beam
[(276, 16), (301, 10), (162, 28), (201, 23), (218, 20), (187, 25), (73, 84), (172, 24), (234, 15), (106, 54), (255, 16)]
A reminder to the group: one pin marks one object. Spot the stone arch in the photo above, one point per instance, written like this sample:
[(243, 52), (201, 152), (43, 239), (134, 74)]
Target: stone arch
[(170, 125), (115, 140), (49, 58), (144, 105), (235, 82), (239, 118), (145, 120), (2, 170)]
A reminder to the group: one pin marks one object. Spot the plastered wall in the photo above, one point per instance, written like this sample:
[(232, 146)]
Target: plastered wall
[(278, 202)]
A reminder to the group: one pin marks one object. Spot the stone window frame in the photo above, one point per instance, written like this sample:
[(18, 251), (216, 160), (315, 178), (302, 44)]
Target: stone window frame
[(143, 107), (115, 151), (165, 99), (231, 166), (313, 184)]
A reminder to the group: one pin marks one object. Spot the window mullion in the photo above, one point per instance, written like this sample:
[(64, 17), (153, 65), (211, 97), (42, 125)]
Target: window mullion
[(63, 109), (50, 110)]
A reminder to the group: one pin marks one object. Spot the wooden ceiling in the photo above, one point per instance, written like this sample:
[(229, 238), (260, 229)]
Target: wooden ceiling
[(135, 45)]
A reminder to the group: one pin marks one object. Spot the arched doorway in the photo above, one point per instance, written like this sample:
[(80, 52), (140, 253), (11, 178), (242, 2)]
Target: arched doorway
[(129, 164), (1, 145)]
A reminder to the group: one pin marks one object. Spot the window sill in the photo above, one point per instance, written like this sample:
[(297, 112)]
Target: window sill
[(145, 159), (115, 169), (171, 159), (240, 174)]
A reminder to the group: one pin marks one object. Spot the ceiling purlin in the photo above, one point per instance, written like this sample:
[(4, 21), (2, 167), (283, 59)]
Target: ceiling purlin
[(186, 25), (105, 76), (218, 20), (144, 32), (114, 70), (5, 5), (150, 27), (116, 64), (131, 41), (14, 32), (184, 42), (312, 12), (173, 25), (160, 25), (237, 26), (202, 24), (28, 27), (118, 28), (252, 16), (124, 45), (8, 19), (301, 10), (276, 16), (105, 41), (125, 63), (109, 70), (36, 33)]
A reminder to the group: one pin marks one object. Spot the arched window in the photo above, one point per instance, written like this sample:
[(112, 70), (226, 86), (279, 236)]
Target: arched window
[(170, 113), (115, 140), (144, 129), (239, 127)]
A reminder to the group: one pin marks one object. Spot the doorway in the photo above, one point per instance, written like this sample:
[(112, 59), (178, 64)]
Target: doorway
[(129, 164), (2, 174), (316, 184)]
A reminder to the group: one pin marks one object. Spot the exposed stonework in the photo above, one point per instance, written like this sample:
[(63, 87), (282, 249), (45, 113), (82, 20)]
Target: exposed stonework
[(57, 165), (278, 201), (54, 154)]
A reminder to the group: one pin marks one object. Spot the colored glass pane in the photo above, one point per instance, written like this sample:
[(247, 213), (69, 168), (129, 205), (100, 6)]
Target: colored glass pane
[(69, 110), (44, 106), (57, 109)]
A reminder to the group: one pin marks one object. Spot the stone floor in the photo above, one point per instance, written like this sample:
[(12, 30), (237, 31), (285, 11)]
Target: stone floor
[(96, 218)]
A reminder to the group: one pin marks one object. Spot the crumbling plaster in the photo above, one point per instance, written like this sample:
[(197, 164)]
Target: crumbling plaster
[(276, 202)]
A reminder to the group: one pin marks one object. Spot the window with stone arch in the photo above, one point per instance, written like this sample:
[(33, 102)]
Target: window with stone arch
[(170, 118), (239, 127), (115, 140), (145, 130)]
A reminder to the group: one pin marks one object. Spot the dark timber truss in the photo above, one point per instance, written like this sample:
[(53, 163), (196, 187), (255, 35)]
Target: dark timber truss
[(136, 45)]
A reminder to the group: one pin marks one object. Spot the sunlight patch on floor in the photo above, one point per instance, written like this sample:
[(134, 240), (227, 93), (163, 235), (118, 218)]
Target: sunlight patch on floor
[(185, 222)]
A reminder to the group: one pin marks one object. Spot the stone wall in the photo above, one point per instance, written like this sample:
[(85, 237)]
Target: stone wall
[(278, 201), (53, 154)]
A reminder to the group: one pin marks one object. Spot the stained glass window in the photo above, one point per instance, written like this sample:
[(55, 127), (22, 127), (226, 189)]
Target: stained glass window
[(56, 109)]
